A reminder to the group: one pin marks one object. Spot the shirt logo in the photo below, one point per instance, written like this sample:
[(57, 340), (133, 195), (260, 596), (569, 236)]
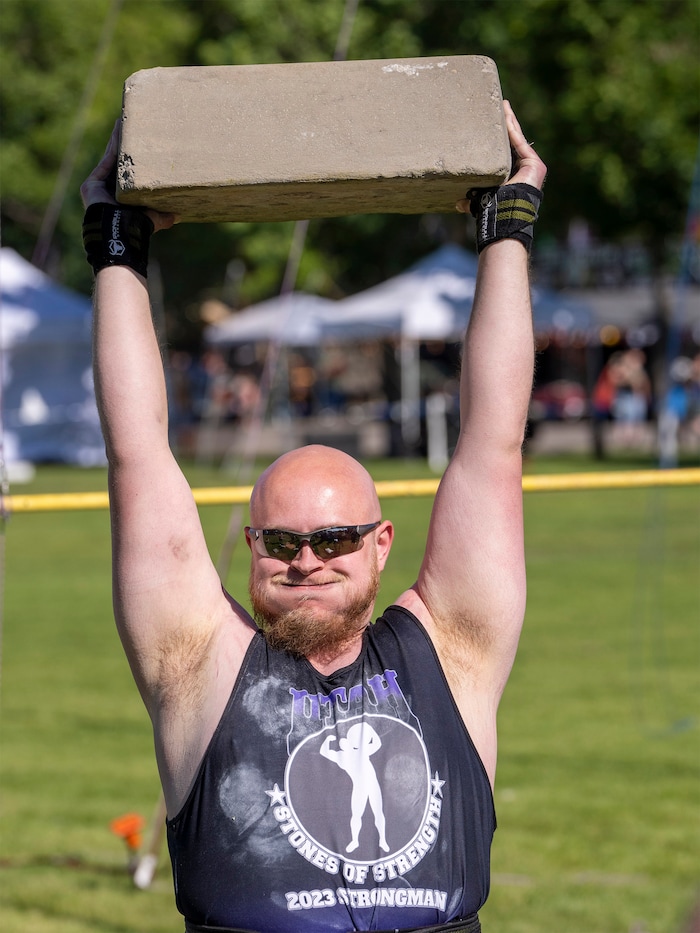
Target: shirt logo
[(358, 796)]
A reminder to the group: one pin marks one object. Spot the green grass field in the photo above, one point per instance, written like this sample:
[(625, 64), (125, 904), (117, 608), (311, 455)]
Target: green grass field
[(599, 775)]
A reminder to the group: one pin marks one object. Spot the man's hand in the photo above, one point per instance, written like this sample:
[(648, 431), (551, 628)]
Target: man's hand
[(96, 187), (528, 169)]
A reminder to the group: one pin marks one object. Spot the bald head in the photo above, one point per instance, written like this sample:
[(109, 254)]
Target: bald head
[(314, 487)]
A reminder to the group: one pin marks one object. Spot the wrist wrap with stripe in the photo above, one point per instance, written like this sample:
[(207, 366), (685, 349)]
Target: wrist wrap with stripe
[(505, 213)]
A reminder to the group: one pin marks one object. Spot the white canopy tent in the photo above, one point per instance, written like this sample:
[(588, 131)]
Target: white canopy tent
[(295, 320), (430, 301), (48, 398)]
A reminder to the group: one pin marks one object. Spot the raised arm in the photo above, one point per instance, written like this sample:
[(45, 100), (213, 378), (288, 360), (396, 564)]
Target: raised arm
[(470, 593), (172, 614)]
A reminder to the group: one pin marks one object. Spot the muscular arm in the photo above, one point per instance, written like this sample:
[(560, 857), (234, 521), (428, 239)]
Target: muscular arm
[(163, 579), (470, 592), (472, 579), (330, 753), (183, 637)]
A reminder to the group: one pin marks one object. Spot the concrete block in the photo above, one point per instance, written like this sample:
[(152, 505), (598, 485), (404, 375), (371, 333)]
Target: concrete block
[(322, 139)]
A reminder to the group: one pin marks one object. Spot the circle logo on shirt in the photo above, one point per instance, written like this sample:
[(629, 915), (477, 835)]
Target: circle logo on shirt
[(361, 790)]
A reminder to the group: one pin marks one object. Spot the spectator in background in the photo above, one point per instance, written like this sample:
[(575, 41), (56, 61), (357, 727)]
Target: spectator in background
[(693, 420), (683, 400), (605, 389), (632, 400)]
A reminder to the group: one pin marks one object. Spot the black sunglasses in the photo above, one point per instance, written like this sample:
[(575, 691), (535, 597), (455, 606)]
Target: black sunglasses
[(325, 543)]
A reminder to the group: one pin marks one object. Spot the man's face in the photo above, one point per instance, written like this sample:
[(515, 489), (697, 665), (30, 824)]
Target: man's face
[(310, 605)]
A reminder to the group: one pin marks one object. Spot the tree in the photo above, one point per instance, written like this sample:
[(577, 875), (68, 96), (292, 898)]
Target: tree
[(49, 86), (607, 88), (612, 90)]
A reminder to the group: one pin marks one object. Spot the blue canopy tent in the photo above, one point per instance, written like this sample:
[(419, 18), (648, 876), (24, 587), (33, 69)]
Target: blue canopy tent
[(48, 398)]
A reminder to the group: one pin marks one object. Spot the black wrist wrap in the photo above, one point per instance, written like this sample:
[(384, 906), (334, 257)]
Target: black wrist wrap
[(117, 236), (505, 213)]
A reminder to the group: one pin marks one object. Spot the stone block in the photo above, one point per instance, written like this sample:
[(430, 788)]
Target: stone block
[(318, 139)]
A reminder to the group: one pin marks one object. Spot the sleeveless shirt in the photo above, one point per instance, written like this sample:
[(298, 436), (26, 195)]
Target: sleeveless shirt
[(355, 801)]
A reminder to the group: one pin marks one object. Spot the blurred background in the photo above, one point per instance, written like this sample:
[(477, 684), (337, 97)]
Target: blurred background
[(609, 91), (598, 768)]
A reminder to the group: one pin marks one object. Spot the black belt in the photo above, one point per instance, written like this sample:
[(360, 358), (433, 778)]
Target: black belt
[(466, 925)]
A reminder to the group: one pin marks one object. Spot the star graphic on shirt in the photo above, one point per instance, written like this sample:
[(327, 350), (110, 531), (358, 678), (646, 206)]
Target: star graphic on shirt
[(277, 796), (437, 785)]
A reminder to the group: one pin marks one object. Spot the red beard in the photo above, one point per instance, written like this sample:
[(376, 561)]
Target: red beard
[(306, 634)]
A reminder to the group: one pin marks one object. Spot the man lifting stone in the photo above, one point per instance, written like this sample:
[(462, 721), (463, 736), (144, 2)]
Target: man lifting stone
[(246, 708)]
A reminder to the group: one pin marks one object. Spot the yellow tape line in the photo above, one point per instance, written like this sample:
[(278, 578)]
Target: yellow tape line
[(629, 479), (231, 495)]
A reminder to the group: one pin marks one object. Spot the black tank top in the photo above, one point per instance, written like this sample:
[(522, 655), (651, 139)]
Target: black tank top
[(350, 802)]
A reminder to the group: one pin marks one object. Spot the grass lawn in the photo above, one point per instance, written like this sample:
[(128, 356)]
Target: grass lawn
[(599, 771)]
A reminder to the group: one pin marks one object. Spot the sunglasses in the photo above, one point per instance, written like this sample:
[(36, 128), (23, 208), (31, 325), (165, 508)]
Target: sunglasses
[(326, 543)]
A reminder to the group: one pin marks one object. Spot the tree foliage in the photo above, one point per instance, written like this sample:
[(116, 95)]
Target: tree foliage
[(615, 95), (608, 89)]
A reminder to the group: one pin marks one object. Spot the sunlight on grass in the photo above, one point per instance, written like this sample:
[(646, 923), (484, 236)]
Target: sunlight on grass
[(599, 727)]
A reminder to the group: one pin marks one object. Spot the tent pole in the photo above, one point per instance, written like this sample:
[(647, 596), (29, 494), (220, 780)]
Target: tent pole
[(410, 394)]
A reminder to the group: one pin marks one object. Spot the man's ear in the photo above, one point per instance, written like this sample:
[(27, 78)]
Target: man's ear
[(384, 539)]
